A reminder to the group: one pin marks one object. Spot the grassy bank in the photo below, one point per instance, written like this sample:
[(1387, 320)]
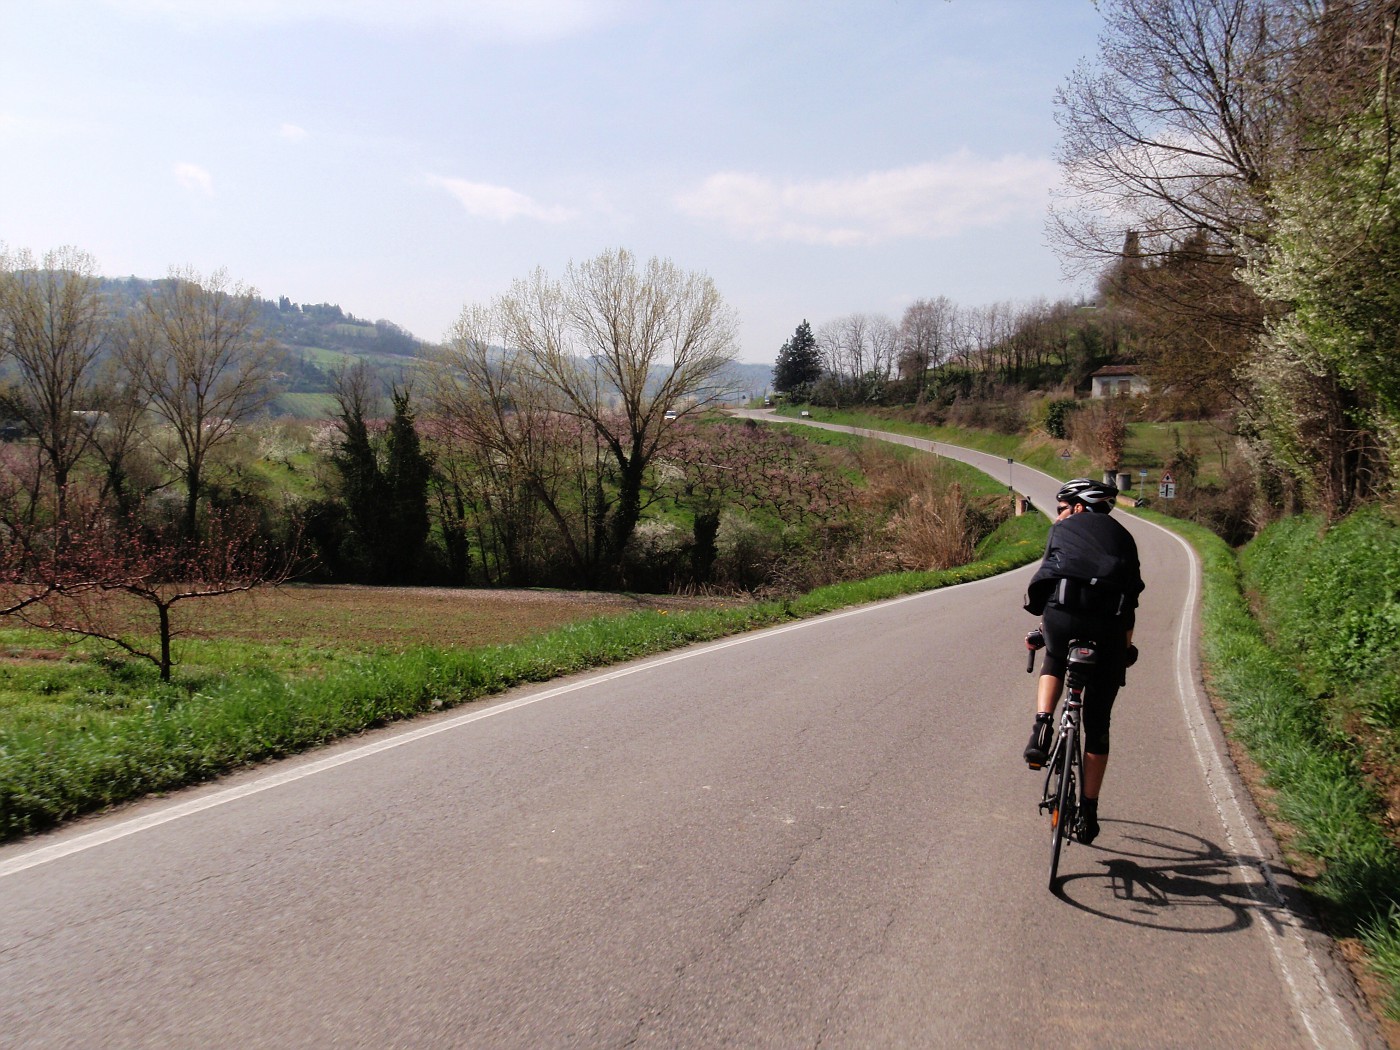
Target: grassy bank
[(133, 737), (1037, 451), (1298, 726), (1148, 447)]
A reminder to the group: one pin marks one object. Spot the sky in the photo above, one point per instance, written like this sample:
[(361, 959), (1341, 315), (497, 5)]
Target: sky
[(407, 158)]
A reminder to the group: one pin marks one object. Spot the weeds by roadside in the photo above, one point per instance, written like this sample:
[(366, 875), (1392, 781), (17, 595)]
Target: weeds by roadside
[(1331, 813)]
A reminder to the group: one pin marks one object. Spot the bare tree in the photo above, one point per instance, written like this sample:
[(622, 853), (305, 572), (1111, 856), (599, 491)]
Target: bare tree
[(859, 351), (925, 338), (623, 345), (491, 409), (120, 439), (90, 575), (1177, 127), (986, 331), (52, 331), (884, 348), (203, 365)]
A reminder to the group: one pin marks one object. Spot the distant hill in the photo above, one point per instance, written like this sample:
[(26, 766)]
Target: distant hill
[(316, 341), (753, 380)]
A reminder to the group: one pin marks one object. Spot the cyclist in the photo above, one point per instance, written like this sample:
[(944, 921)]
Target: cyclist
[(1086, 589)]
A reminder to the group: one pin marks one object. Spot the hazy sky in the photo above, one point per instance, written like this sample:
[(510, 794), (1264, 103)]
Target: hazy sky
[(406, 157)]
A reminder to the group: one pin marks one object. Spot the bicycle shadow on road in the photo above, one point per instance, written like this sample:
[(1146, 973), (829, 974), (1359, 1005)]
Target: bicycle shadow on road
[(1169, 880)]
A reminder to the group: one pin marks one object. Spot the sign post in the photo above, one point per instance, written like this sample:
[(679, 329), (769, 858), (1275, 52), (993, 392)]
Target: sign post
[(1166, 488)]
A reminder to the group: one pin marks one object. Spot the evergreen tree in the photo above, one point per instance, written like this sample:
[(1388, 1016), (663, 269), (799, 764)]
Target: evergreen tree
[(406, 474), (385, 489), (362, 484), (799, 362)]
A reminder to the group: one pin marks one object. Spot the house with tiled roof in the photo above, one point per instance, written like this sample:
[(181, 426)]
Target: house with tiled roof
[(1117, 380)]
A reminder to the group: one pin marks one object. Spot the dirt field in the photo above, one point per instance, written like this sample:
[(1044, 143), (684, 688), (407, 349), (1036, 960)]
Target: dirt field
[(353, 616)]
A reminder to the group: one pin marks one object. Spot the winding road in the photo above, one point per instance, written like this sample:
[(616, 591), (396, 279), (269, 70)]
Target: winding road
[(816, 835)]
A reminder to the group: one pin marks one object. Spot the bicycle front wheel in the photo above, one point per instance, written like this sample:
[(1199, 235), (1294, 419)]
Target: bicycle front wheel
[(1062, 810)]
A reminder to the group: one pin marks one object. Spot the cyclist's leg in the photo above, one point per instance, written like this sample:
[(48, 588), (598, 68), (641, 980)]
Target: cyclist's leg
[(1095, 766), (1098, 711), (1047, 694), (1059, 629)]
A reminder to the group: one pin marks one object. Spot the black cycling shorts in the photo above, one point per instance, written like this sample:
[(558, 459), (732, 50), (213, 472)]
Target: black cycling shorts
[(1110, 639)]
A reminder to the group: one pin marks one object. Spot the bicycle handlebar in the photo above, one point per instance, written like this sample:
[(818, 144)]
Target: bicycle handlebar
[(1034, 640)]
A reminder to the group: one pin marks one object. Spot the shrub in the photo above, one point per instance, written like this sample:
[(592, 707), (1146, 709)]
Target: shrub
[(1003, 415), (747, 552), (1057, 415)]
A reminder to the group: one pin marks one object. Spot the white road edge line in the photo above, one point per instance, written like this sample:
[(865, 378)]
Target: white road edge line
[(90, 840), (1313, 998)]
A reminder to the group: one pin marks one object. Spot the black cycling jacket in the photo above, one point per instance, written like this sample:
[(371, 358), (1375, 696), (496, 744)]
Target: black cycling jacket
[(1096, 552)]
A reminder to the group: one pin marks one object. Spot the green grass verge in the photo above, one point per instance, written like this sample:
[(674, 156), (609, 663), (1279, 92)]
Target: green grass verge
[(152, 739), (1037, 451), (1148, 447), (1320, 791)]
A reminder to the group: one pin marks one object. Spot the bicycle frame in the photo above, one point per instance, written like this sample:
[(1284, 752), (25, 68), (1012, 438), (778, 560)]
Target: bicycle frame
[(1062, 795)]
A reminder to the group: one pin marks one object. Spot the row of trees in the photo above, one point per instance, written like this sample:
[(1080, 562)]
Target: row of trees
[(537, 437), (939, 348), (174, 378)]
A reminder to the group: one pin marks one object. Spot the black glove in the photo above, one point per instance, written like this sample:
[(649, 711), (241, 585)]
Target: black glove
[(1130, 657)]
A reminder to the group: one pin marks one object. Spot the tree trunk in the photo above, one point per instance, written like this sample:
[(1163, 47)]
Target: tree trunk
[(191, 520), (626, 513), (164, 641), (704, 552)]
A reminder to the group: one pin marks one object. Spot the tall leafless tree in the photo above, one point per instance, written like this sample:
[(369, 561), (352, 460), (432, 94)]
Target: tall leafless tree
[(204, 366), (1172, 140), (623, 343), (925, 337), (859, 351), (1176, 128), (52, 331), (503, 447)]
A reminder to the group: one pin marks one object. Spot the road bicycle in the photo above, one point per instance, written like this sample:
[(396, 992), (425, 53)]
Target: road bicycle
[(1064, 769)]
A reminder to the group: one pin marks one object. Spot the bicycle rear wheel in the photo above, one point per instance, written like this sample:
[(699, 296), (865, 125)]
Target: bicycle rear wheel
[(1062, 810)]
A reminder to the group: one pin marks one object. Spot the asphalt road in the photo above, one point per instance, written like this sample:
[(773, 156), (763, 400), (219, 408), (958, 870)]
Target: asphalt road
[(820, 834)]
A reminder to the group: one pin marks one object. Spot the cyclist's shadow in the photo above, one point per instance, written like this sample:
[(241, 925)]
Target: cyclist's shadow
[(1167, 880)]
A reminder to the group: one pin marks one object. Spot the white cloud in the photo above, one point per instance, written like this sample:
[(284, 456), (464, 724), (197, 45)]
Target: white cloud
[(291, 132), (498, 202), (193, 177), (927, 201), (509, 19)]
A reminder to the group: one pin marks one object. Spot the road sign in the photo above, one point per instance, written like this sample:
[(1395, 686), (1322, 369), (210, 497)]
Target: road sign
[(1167, 489), (1167, 478)]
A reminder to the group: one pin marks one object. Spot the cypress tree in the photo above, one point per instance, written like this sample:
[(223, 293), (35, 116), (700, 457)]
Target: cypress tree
[(799, 362)]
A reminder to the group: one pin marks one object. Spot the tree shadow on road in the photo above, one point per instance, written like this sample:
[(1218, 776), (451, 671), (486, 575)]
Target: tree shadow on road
[(1170, 880)]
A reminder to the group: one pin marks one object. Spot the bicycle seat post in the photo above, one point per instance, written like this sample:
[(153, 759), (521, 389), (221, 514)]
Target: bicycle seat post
[(1083, 658)]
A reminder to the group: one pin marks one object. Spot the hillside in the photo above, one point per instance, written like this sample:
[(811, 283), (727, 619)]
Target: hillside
[(316, 341)]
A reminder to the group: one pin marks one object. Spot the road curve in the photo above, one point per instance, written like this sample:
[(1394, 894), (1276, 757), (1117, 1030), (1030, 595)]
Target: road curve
[(818, 834)]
